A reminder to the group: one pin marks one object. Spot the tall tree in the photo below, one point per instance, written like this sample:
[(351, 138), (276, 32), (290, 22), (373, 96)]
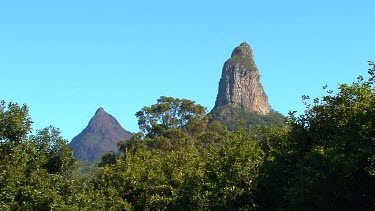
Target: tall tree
[(169, 113), (34, 169), (325, 159)]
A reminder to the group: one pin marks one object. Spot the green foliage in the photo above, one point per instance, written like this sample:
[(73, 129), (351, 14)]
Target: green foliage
[(232, 171), (52, 152), (108, 158), (326, 155), (338, 145), (86, 170), (243, 55), (177, 169), (232, 117), (150, 180), (34, 170), (224, 176), (169, 113), (216, 132), (132, 145), (15, 124), (278, 167), (249, 64)]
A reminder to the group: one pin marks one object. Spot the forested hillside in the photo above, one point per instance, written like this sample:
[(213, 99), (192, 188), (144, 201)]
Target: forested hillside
[(322, 159)]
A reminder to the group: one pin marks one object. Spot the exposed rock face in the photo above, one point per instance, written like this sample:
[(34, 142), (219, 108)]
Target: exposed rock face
[(240, 85), (100, 136)]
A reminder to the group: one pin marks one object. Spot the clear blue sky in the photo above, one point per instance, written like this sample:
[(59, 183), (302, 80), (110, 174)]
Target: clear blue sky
[(65, 59)]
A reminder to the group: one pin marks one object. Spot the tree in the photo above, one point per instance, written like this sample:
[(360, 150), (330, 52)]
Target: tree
[(132, 145), (169, 124), (232, 117), (150, 179), (34, 169), (232, 171), (52, 152), (171, 113), (326, 156), (15, 124), (108, 158), (182, 163)]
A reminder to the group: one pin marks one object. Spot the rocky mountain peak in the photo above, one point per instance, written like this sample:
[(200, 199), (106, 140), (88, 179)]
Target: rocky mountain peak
[(101, 135), (243, 50), (240, 85), (100, 111)]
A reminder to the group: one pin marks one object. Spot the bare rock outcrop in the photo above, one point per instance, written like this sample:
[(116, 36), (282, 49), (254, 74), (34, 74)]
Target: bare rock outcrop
[(240, 85)]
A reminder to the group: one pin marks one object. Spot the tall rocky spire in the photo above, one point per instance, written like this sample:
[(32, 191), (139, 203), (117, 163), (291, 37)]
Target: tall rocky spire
[(240, 85)]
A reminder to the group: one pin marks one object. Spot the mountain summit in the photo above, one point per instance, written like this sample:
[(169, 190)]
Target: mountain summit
[(240, 85), (100, 136), (241, 98)]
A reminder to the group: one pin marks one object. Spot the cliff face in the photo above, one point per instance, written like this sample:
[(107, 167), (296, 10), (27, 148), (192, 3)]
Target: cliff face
[(240, 85), (100, 136)]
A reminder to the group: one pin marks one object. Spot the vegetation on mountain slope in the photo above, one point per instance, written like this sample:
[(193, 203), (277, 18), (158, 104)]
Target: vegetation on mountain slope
[(233, 117)]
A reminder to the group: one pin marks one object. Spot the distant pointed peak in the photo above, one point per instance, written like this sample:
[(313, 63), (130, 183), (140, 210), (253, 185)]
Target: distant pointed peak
[(100, 111), (243, 50), (101, 135)]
